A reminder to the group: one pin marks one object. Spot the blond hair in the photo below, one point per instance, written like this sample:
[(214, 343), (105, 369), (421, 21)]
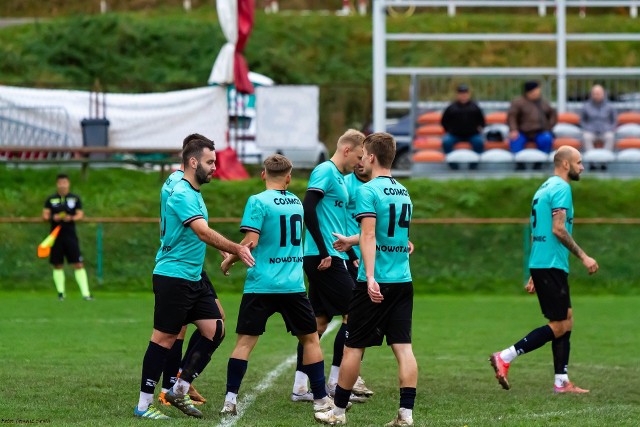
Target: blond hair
[(351, 137)]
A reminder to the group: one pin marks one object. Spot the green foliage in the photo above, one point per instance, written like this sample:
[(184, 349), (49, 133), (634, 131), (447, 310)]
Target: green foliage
[(449, 258), (81, 362)]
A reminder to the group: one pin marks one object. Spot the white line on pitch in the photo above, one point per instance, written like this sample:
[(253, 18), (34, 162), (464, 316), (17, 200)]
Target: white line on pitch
[(267, 382)]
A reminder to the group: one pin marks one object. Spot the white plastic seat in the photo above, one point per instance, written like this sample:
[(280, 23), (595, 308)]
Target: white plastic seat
[(627, 162), (567, 130), (496, 160), (598, 155), (463, 158), (629, 130)]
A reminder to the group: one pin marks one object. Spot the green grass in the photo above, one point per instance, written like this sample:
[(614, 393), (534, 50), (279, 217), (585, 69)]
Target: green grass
[(78, 363), (448, 258)]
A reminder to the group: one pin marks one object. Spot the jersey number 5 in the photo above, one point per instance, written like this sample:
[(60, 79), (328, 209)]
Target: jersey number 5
[(403, 221), (296, 238), (533, 212)]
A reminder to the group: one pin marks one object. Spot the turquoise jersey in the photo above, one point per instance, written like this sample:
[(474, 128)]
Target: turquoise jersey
[(546, 250), (182, 252), (167, 187), (332, 209), (386, 200), (277, 217), (353, 183)]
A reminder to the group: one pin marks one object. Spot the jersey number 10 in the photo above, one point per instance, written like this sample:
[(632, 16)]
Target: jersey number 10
[(293, 224)]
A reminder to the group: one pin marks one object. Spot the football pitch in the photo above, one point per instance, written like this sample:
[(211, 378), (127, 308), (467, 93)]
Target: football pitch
[(78, 363)]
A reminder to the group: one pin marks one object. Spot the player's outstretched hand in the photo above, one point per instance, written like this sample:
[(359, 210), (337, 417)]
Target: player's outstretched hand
[(530, 287), (591, 264), (374, 290), (225, 266), (244, 253), (341, 245), (411, 247), (325, 263)]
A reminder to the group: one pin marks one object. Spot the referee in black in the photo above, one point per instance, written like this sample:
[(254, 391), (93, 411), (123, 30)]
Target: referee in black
[(65, 208)]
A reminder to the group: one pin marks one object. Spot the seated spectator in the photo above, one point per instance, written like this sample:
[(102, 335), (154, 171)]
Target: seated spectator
[(598, 120), (463, 120), (531, 118)]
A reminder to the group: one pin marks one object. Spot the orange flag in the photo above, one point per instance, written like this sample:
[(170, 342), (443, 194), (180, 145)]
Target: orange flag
[(44, 248)]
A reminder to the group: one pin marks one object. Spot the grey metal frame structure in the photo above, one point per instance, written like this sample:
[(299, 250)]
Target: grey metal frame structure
[(380, 39)]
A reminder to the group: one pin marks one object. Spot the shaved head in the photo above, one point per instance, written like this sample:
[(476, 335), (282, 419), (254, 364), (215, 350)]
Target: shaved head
[(568, 162)]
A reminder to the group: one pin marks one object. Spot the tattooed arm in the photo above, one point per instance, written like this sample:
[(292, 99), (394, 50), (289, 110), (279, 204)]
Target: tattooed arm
[(560, 231)]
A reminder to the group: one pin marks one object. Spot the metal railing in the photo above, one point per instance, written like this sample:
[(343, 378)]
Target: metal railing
[(35, 127), (558, 74)]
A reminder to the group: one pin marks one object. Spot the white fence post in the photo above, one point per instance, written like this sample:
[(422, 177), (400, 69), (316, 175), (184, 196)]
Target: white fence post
[(103, 6), (542, 9), (451, 9), (186, 4), (379, 67), (561, 55), (633, 11)]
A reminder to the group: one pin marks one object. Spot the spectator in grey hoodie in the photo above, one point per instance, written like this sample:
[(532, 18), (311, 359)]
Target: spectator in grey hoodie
[(598, 120)]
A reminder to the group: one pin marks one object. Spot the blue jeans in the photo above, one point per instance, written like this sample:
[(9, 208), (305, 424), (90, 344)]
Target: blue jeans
[(544, 141), (449, 140)]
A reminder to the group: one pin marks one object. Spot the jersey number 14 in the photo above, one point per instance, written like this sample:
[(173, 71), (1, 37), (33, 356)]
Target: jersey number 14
[(403, 221)]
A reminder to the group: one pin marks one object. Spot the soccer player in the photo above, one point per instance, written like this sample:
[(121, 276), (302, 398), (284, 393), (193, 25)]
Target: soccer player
[(65, 208), (272, 223), (382, 303), (551, 227), (330, 285), (181, 296), (175, 361)]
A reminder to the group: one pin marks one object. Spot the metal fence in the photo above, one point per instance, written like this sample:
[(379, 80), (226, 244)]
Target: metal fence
[(559, 76), (34, 127)]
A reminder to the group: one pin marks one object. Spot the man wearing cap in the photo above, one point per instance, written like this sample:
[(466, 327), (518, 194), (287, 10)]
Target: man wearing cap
[(463, 120), (531, 118)]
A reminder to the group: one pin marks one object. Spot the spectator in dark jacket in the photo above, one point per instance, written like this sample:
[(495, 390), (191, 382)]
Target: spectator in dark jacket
[(598, 120), (530, 118), (463, 120)]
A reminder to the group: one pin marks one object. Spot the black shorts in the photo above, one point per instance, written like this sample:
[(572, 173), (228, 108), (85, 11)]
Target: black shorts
[(552, 288), (180, 301), (207, 281), (353, 272), (295, 309), (370, 322), (330, 290), (65, 246)]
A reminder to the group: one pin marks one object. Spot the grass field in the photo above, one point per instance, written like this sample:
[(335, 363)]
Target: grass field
[(78, 363)]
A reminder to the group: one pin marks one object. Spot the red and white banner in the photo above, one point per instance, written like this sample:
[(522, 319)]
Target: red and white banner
[(236, 20)]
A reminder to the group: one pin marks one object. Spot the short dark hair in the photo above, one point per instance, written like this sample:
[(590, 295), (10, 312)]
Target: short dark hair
[(192, 137), (62, 176), (277, 165), (195, 147), (383, 146)]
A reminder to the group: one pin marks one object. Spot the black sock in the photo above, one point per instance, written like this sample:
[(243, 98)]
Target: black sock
[(236, 368), (407, 397), (300, 352), (315, 372), (199, 358), (536, 339), (338, 345), (341, 398), (561, 348), (152, 365), (195, 337), (172, 365)]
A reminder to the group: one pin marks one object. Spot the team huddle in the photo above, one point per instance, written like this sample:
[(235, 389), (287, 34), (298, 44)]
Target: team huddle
[(355, 218)]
